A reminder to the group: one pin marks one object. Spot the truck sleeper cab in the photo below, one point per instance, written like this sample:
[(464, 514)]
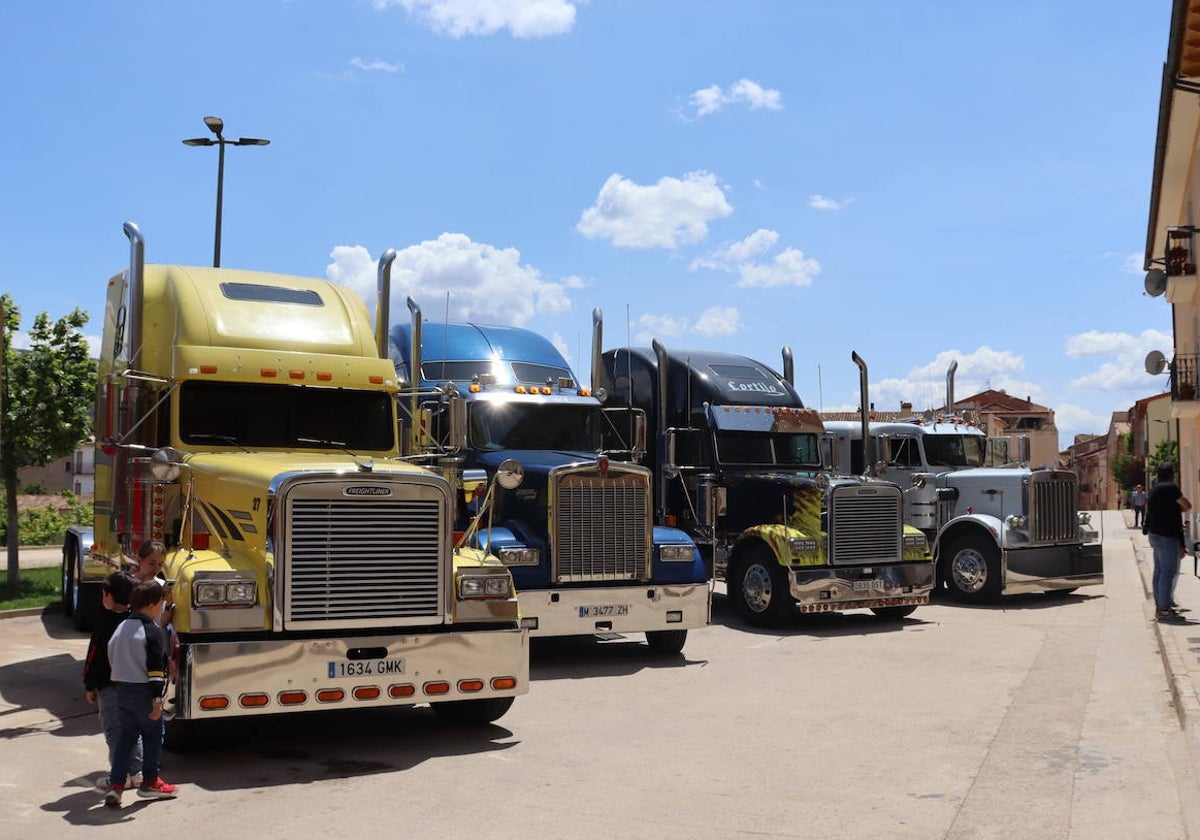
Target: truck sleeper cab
[(577, 534), (995, 530), (738, 468), (248, 421)]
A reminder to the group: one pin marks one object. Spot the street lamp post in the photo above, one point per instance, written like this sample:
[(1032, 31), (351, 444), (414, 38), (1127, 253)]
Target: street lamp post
[(216, 125)]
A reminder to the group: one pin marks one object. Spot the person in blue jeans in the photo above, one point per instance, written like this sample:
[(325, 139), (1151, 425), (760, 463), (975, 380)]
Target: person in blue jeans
[(1165, 506), (97, 673), (137, 653)]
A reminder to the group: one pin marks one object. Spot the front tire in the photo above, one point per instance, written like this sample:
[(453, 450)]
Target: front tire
[(473, 712), (666, 642), (757, 586), (971, 570)]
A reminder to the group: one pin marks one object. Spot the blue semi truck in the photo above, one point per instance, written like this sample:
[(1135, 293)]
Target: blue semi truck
[(577, 532)]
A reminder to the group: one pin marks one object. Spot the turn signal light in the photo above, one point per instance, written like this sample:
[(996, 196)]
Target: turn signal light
[(503, 683), (470, 686), (292, 698), (330, 695), (214, 703), (436, 687), (254, 701)]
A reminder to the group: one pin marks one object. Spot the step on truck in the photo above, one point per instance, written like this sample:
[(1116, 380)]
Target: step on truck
[(577, 532), (737, 466), (248, 421), (996, 528)]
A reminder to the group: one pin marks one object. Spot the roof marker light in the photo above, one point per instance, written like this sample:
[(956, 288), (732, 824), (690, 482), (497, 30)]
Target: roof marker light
[(269, 373)]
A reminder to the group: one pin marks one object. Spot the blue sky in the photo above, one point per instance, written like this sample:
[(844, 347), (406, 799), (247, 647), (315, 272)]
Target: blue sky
[(915, 181)]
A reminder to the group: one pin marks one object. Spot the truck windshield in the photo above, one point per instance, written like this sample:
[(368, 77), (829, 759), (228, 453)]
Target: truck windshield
[(285, 417), (955, 450), (767, 449), (511, 425)]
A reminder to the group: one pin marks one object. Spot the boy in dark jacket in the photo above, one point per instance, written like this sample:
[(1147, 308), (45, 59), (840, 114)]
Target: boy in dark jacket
[(97, 673), (137, 653)]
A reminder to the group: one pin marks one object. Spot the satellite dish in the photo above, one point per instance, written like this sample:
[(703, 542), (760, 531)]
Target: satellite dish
[(1156, 362), (1156, 282)]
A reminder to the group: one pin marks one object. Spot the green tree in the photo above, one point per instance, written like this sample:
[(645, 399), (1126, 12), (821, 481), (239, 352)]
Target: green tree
[(1165, 452), (46, 398)]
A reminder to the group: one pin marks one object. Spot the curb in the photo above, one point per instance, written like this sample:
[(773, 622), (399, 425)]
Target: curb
[(26, 612), (1183, 692)]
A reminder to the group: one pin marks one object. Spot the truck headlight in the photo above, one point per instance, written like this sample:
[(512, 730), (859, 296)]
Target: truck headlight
[(224, 593), (677, 553), (915, 541), (802, 545), (474, 587), (518, 555), (1016, 522)]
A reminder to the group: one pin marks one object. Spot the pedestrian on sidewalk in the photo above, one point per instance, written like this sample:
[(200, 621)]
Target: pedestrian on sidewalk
[(1165, 506), (1137, 500)]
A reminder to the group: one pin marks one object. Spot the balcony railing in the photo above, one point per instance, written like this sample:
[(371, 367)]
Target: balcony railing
[(1183, 377)]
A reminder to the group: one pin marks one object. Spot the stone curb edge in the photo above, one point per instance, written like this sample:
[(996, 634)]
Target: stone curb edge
[(1183, 693)]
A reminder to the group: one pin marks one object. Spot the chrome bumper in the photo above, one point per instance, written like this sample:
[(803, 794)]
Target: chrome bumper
[(861, 587), (1053, 567), (271, 677), (625, 609)]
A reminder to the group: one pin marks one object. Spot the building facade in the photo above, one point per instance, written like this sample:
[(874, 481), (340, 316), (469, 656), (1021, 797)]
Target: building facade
[(1171, 243)]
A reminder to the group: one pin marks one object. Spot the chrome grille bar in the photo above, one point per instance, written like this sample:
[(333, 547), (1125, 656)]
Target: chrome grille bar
[(865, 525), (1053, 507), (601, 526), (355, 559)]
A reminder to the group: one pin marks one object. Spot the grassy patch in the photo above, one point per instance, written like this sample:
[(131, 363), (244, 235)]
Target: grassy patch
[(35, 588)]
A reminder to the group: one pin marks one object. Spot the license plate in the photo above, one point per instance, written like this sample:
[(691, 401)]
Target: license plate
[(867, 585), (365, 668), (602, 610)]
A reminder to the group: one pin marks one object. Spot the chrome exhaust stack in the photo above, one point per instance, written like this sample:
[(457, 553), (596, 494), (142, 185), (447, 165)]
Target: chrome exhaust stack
[(383, 301), (864, 411)]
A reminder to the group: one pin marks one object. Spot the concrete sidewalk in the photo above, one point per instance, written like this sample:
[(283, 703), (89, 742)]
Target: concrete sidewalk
[(1179, 644)]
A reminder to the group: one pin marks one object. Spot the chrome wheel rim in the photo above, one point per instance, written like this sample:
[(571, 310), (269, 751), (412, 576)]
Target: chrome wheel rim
[(756, 587), (969, 570)]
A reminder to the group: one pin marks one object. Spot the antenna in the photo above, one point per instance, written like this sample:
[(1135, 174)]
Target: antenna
[(1156, 362)]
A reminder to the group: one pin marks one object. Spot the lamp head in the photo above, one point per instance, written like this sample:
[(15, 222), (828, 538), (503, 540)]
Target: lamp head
[(198, 141), (215, 124)]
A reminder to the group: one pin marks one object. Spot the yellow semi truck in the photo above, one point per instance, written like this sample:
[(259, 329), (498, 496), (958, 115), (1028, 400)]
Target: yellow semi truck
[(248, 420)]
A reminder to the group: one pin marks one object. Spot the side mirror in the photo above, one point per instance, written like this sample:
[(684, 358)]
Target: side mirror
[(1023, 449), (668, 466), (456, 408)]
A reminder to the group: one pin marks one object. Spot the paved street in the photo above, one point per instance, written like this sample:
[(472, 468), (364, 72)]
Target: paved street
[(1038, 718)]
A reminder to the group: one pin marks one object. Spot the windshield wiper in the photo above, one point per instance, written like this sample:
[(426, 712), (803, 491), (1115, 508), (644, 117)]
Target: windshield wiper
[(228, 440)]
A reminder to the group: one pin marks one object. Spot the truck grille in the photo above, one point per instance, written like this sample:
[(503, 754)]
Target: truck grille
[(864, 525), (600, 527), (1053, 507), (364, 561)]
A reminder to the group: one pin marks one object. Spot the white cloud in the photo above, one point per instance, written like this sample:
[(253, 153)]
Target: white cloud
[(713, 98), (659, 326), (979, 370), (788, 268), (670, 213), (731, 257), (376, 65), (1133, 263), (522, 18), (1125, 371), (820, 202), (485, 284), (718, 321), (1074, 420)]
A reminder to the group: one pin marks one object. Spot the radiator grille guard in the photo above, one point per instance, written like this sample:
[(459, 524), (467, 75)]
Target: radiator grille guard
[(865, 525), (600, 526), (1053, 507), (359, 554)]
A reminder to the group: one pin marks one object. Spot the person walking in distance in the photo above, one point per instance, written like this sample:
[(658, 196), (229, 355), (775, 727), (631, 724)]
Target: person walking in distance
[(1165, 506), (1137, 501), (137, 652)]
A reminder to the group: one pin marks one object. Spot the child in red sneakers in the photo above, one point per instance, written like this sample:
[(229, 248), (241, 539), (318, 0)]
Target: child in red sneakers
[(97, 673), (137, 653)]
